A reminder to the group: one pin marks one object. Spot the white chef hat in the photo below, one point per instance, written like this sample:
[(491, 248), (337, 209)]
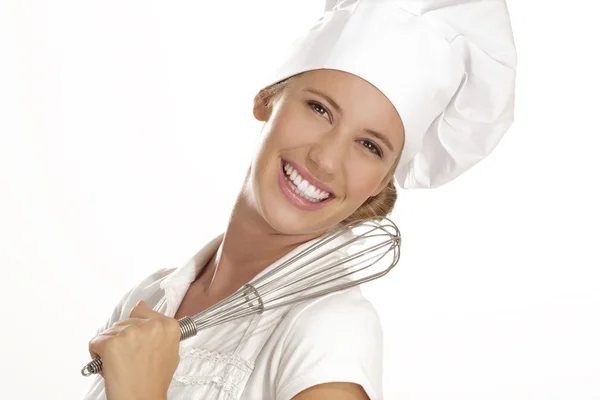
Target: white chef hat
[(448, 67)]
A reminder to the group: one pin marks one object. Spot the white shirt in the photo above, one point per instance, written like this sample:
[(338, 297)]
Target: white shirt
[(274, 355)]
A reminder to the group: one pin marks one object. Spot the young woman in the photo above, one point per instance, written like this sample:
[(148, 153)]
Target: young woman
[(376, 92)]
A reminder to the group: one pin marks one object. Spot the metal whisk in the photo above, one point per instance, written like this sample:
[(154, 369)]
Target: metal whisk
[(356, 253)]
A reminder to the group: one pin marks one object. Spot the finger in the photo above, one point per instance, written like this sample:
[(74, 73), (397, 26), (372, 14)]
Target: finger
[(99, 347), (118, 326), (115, 336), (162, 325), (129, 321), (112, 331), (96, 344)]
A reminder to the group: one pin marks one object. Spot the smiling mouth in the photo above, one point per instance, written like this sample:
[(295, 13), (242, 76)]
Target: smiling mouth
[(302, 187)]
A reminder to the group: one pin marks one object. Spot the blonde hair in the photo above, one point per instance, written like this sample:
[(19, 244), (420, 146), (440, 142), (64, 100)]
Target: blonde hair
[(380, 205)]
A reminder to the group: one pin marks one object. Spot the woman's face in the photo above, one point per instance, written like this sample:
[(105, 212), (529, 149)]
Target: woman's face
[(330, 142)]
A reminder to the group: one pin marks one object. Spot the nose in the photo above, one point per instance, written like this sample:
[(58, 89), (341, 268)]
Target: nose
[(325, 157)]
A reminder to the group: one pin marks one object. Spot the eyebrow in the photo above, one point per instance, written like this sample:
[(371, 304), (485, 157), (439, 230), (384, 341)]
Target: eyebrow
[(381, 137), (335, 105), (337, 108)]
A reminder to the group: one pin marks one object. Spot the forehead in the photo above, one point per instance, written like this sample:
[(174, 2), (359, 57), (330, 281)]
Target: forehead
[(360, 101), (339, 82)]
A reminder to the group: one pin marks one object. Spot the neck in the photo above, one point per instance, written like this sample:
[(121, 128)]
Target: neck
[(249, 245)]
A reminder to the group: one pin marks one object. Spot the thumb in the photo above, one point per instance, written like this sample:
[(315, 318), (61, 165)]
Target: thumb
[(141, 310)]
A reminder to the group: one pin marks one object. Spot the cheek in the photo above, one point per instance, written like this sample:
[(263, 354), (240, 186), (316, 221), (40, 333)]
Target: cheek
[(293, 127), (362, 182)]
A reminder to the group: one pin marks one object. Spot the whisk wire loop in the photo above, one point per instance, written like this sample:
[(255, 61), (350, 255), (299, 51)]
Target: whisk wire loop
[(323, 266)]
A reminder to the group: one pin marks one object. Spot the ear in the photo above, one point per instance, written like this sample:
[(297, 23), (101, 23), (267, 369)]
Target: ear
[(261, 107)]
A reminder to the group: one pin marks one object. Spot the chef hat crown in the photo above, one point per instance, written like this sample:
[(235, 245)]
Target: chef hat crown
[(447, 66)]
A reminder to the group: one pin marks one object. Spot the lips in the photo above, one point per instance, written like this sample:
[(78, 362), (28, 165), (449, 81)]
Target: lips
[(302, 186), (311, 201), (306, 176)]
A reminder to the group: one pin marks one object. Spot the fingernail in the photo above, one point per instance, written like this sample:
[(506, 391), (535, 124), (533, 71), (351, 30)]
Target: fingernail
[(141, 303)]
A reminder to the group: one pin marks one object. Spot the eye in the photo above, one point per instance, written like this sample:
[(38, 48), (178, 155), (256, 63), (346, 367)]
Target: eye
[(317, 107), (372, 147)]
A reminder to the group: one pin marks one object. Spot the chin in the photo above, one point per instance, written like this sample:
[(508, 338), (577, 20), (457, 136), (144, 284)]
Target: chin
[(286, 223)]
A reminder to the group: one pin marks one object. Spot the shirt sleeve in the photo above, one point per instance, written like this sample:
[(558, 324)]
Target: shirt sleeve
[(337, 338)]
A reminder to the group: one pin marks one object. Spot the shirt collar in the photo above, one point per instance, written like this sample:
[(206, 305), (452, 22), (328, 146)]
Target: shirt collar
[(188, 272)]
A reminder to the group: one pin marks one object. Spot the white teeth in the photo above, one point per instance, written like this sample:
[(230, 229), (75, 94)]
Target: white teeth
[(310, 191), (302, 187)]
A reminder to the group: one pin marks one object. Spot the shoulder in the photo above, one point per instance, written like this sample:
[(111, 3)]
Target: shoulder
[(343, 324), (335, 338), (346, 314)]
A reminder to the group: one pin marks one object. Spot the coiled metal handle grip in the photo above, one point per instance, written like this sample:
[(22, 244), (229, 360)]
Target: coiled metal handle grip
[(187, 327)]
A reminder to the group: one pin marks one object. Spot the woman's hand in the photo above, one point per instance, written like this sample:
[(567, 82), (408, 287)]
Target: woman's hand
[(139, 355)]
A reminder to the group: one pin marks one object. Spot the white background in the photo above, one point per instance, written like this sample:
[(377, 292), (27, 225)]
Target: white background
[(125, 131)]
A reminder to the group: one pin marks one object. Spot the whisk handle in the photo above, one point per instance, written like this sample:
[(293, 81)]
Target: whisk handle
[(187, 327)]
